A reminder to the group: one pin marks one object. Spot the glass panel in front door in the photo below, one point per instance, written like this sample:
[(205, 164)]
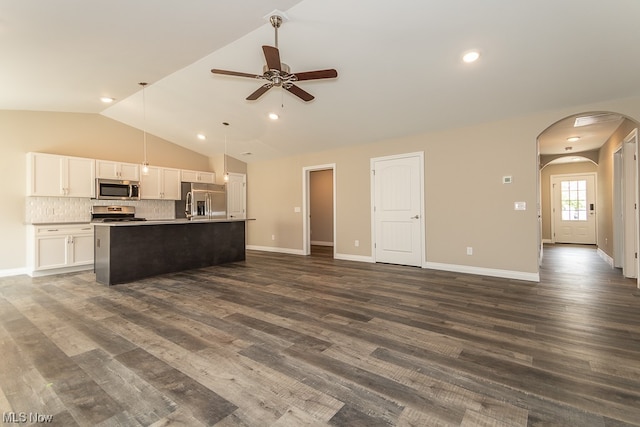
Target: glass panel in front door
[(574, 200)]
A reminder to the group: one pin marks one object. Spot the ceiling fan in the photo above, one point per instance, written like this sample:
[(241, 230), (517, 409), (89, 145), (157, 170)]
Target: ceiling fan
[(277, 73)]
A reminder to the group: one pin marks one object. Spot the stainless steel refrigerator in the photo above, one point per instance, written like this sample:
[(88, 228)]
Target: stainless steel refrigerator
[(202, 201)]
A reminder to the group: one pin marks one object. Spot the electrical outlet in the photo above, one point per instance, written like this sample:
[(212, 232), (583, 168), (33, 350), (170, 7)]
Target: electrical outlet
[(273, 237), (357, 243), (469, 250)]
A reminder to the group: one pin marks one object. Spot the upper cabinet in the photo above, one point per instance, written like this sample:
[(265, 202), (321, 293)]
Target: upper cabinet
[(195, 176), (60, 176), (114, 170), (160, 183)]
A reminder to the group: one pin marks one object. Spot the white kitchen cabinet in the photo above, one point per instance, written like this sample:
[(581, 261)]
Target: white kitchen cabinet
[(60, 176), (57, 248), (115, 170), (197, 176), (160, 183)]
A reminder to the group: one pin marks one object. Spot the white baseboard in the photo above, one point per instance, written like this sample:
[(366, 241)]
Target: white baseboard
[(275, 249), (481, 271), (606, 257), (64, 270), (13, 272), (320, 243), (359, 258)]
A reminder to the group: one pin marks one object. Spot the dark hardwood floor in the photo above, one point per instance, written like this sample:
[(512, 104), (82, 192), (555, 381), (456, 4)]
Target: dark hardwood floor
[(288, 340)]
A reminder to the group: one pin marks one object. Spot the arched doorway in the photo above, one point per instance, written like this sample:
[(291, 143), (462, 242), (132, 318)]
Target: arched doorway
[(588, 143)]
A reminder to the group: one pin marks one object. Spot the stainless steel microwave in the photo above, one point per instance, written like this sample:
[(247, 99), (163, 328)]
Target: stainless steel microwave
[(110, 189)]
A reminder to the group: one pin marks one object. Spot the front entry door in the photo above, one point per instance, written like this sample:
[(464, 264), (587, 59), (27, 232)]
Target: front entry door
[(574, 208), (397, 210)]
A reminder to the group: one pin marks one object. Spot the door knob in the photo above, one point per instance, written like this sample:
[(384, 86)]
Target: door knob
[(415, 217)]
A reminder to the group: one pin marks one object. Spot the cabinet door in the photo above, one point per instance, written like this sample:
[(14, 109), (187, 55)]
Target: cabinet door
[(171, 184), (150, 184), (207, 177), (51, 252), (106, 169), (80, 175), (189, 176), (45, 175), (129, 171), (81, 249)]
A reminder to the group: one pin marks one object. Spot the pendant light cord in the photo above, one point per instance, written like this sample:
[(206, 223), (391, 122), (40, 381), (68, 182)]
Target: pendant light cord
[(144, 124)]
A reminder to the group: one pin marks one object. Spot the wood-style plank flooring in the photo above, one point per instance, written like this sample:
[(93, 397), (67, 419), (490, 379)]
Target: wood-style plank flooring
[(285, 340)]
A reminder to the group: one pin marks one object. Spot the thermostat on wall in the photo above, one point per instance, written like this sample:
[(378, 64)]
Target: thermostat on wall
[(506, 179)]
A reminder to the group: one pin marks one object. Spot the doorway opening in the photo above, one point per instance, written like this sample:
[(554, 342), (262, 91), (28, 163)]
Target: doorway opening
[(589, 143), (319, 210)]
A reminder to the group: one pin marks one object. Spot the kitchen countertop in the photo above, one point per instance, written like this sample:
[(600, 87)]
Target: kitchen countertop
[(168, 221), (60, 223)]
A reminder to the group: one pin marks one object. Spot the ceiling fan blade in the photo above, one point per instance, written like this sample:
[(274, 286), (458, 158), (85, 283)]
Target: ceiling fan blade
[(258, 93), (302, 94), (234, 73), (315, 75), (272, 55)]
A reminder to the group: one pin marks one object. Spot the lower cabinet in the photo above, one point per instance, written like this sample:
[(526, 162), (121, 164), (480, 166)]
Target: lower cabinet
[(60, 247)]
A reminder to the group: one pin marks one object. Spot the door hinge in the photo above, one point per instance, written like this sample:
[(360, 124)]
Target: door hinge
[(636, 255), (374, 171)]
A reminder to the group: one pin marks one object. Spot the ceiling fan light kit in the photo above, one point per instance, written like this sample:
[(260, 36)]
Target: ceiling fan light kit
[(277, 73)]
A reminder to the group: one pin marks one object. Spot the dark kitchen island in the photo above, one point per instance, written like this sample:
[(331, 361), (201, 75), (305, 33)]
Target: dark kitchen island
[(129, 251)]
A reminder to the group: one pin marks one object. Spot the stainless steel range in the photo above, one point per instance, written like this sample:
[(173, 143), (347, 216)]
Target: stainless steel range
[(114, 214)]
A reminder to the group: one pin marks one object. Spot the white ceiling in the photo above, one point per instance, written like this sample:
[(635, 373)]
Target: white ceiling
[(398, 63)]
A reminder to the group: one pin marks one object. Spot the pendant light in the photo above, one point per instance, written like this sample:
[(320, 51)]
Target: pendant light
[(226, 172), (145, 163)]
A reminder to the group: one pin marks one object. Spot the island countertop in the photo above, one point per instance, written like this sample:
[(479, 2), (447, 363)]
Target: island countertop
[(168, 221)]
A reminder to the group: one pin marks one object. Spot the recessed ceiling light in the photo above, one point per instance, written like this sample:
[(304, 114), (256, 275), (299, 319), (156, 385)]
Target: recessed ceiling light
[(106, 99), (274, 116), (202, 136), (471, 56), (573, 138)]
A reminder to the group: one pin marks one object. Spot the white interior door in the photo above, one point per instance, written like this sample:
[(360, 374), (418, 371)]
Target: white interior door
[(397, 209), (237, 196), (574, 208)]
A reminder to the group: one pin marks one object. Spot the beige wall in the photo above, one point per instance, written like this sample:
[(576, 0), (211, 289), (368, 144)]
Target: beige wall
[(81, 135), (545, 188), (321, 205), (466, 203), (605, 186)]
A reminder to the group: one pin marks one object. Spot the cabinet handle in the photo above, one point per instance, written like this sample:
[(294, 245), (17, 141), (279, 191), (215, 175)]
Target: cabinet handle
[(88, 228), (53, 229)]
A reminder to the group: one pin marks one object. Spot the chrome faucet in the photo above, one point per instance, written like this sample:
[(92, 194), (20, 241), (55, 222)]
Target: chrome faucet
[(188, 206)]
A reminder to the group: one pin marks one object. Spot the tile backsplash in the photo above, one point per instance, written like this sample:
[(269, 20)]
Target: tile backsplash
[(73, 209)]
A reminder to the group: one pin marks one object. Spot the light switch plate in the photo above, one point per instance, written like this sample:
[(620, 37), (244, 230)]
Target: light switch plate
[(520, 206)]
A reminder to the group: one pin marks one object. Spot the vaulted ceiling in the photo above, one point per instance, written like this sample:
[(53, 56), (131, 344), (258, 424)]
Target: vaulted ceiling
[(399, 65)]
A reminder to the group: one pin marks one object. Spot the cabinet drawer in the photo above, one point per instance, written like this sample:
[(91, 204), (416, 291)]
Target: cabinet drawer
[(63, 229)]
